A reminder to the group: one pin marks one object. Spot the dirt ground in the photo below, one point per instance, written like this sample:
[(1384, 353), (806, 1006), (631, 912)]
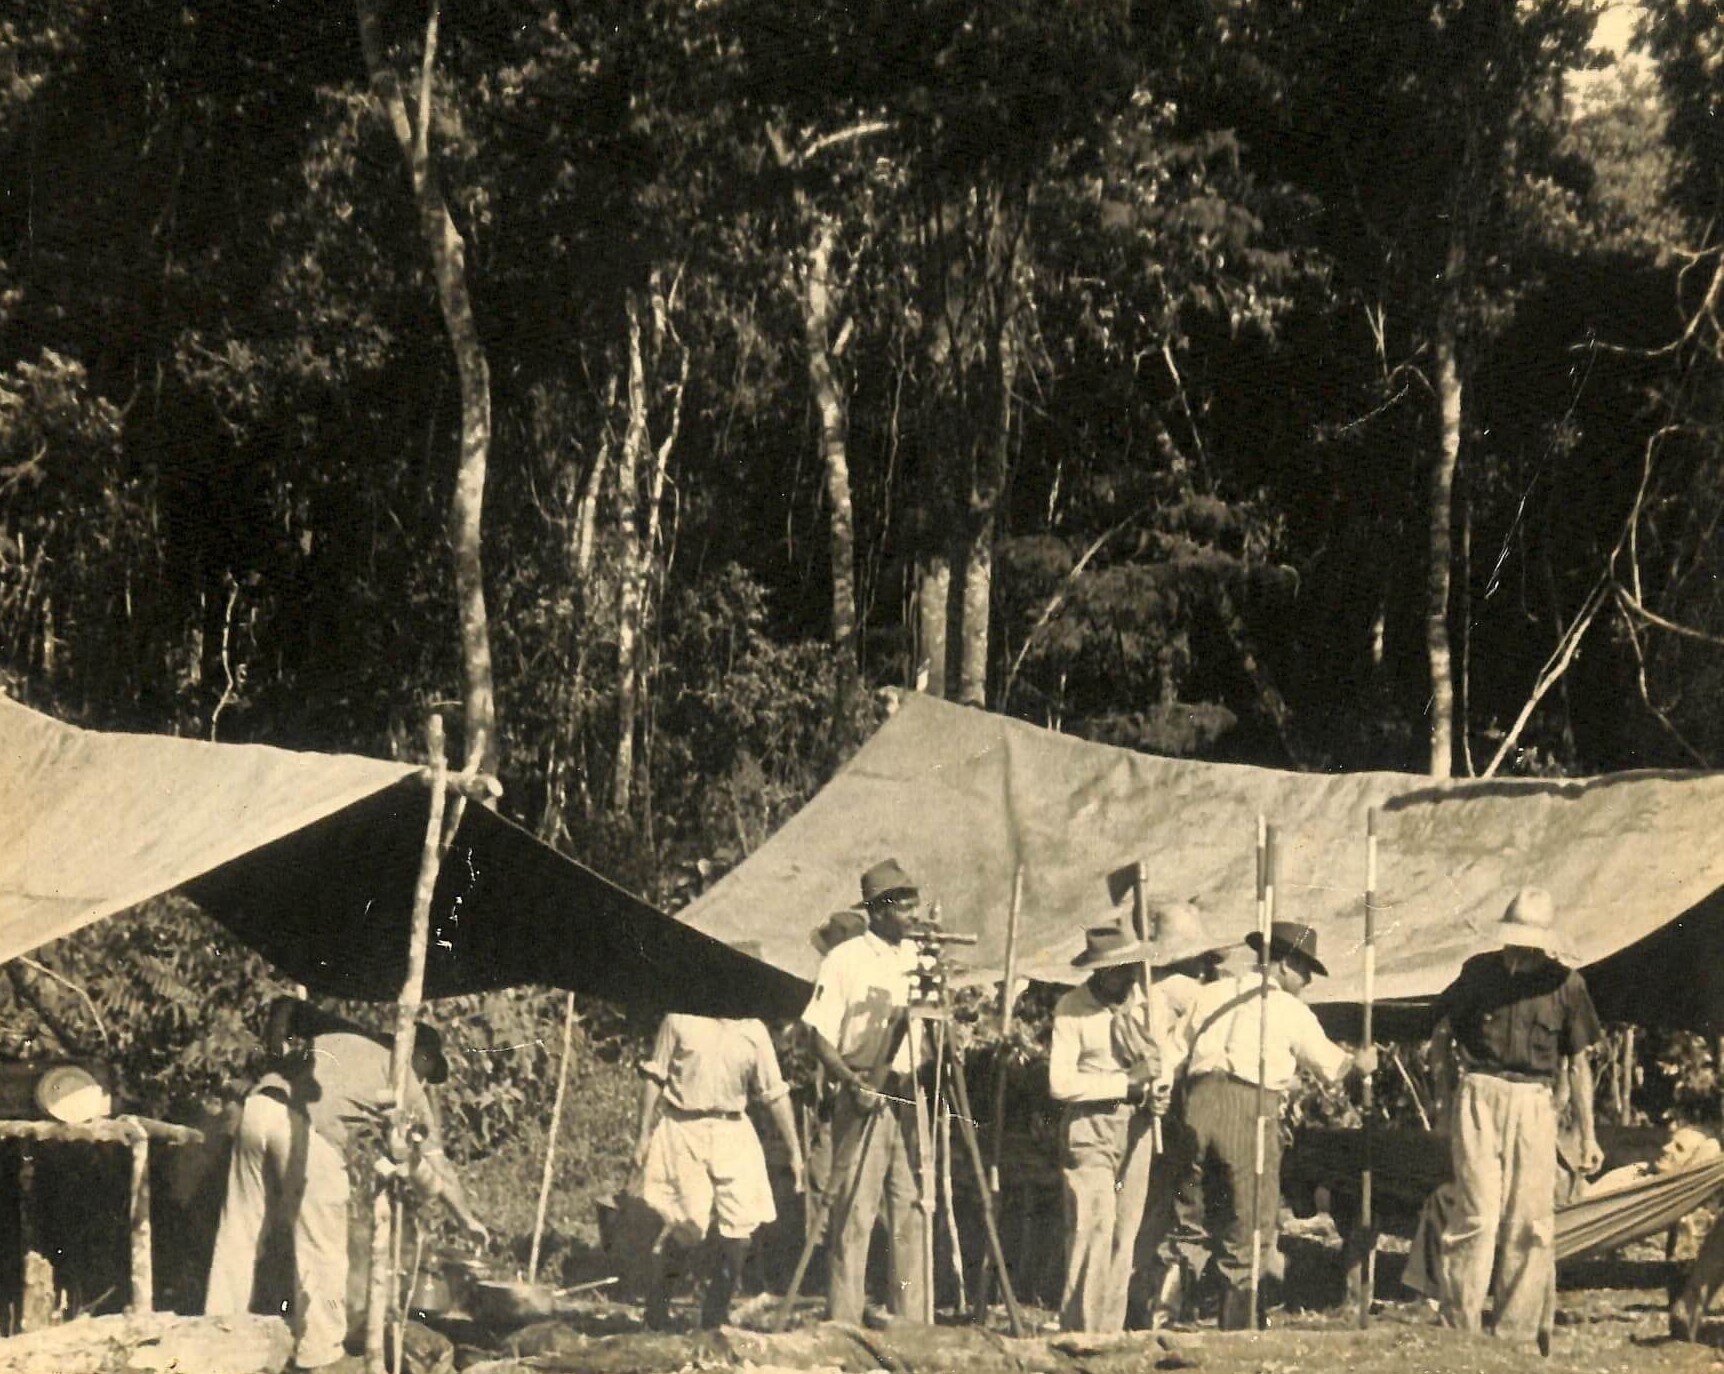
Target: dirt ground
[(1612, 1319)]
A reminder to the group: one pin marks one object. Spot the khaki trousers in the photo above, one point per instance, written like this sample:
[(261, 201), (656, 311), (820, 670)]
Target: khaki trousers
[(283, 1168), (1504, 1219), (1107, 1156), (885, 1172)]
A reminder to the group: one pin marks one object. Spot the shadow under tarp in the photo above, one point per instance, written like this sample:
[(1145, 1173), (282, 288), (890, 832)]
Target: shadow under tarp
[(312, 860)]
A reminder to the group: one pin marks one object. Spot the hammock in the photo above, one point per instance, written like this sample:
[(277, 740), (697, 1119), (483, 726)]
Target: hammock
[(1409, 1165), (1596, 1225)]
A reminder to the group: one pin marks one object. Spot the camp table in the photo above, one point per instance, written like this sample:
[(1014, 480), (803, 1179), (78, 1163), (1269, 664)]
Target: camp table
[(133, 1132)]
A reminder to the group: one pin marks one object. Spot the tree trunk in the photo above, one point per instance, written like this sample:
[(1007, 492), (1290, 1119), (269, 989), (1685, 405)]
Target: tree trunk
[(634, 453), (449, 269), (933, 596), (990, 471), (817, 313), (1447, 381), (587, 505)]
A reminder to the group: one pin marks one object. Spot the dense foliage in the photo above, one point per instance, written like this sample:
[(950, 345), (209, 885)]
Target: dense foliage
[(1083, 360)]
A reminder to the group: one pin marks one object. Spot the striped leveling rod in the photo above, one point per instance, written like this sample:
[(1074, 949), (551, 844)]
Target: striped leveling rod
[(1368, 1264), (1265, 918)]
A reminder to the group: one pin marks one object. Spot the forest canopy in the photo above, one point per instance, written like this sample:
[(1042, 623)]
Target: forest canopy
[(1322, 386)]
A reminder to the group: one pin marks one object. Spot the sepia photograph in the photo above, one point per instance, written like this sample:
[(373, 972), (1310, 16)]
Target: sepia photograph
[(861, 686)]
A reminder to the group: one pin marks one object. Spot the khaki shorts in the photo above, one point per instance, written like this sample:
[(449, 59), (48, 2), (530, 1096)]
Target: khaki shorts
[(702, 1169)]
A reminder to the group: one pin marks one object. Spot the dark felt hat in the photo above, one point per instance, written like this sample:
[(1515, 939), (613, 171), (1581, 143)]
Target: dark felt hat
[(837, 928), (1290, 939), (885, 878)]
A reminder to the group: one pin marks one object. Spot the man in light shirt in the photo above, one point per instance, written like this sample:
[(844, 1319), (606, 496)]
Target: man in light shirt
[(1103, 1065), (289, 1164), (1221, 1103), (697, 1154), (856, 1020)]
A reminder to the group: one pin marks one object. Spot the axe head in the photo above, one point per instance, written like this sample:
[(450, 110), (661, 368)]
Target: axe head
[(1123, 881)]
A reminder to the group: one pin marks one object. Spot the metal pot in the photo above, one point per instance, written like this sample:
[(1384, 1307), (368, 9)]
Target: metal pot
[(500, 1301), (431, 1295)]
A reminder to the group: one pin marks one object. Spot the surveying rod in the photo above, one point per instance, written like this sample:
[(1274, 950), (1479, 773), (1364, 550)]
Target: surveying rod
[(1146, 979), (1265, 918), (1368, 1262)]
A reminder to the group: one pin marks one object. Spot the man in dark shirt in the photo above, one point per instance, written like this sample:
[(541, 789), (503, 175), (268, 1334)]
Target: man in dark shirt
[(1514, 1022)]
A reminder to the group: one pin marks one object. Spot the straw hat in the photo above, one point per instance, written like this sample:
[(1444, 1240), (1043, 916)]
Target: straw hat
[(1109, 947), (1177, 933), (1530, 923)]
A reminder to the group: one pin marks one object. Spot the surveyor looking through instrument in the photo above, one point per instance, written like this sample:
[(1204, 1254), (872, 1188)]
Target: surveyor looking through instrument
[(856, 1022)]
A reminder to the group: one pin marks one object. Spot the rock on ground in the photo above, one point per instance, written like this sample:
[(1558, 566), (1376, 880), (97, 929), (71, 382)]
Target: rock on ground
[(157, 1341)]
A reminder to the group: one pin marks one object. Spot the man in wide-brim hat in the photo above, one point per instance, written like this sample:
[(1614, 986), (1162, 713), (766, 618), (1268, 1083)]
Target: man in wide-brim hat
[(856, 1022), (1515, 1021), (1102, 1066), (1223, 1065)]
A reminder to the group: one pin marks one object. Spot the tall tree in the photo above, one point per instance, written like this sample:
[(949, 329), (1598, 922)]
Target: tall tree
[(1422, 230), (447, 250)]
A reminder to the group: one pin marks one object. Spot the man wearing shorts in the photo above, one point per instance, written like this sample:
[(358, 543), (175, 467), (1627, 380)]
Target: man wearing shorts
[(698, 1158)]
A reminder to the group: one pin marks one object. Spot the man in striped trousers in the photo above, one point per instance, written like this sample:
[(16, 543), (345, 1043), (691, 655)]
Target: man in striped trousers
[(1220, 1116)]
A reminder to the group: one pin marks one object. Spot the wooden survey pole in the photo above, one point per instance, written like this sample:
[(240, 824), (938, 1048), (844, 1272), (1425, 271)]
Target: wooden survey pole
[(143, 1257), (1265, 919), (1145, 973), (401, 1060), (1367, 1220)]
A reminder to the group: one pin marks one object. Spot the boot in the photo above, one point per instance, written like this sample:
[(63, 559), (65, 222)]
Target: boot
[(664, 1268), (1236, 1310), (1685, 1316), (1169, 1304), (728, 1258)]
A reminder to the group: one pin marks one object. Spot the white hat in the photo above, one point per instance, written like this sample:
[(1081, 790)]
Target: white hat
[(1177, 933), (1530, 923)]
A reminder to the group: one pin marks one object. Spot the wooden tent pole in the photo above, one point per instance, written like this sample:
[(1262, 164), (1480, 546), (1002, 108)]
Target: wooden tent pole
[(983, 1294), (401, 1060), (551, 1144)]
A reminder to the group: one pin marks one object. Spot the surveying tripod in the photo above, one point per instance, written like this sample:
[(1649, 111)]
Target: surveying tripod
[(928, 1014)]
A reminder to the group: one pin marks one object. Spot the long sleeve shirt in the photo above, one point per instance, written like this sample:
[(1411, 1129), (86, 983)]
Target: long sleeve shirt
[(1084, 1064), (1170, 1003)]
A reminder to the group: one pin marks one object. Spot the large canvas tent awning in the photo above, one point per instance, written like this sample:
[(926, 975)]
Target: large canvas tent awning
[(312, 859), (963, 798)]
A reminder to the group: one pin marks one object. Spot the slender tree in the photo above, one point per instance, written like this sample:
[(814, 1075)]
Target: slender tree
[(448, 255)]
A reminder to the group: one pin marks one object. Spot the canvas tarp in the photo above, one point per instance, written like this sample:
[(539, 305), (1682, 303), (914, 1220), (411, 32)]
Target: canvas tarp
[(312, 860), (965, 799)]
